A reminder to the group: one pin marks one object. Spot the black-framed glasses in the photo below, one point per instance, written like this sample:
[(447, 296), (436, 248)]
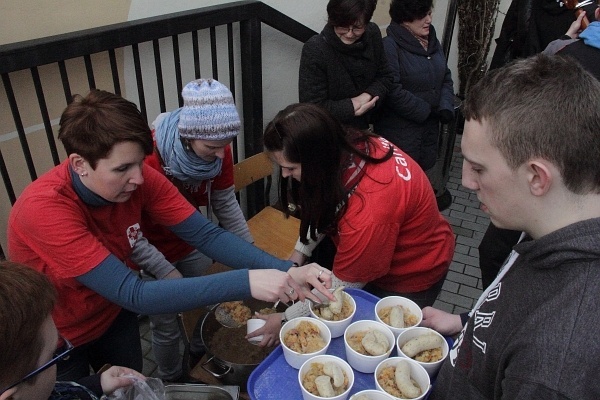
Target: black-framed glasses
[(357, 30), (59, 354)]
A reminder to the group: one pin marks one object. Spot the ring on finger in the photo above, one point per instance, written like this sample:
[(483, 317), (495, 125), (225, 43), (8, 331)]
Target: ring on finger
[(320, 273), (291, 292)]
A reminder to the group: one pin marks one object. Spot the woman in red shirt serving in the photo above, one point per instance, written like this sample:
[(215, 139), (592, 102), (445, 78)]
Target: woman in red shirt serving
[(372, 199), (79, 222)]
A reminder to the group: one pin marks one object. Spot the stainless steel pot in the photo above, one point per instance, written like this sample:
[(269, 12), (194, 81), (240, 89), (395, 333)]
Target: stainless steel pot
[(201, 392), (231, 358)]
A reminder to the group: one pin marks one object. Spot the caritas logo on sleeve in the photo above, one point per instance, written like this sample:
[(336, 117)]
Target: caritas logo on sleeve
[(133, 233), (401, 163)]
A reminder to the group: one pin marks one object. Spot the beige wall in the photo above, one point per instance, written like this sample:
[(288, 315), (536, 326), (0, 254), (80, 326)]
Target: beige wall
[(30, 19)]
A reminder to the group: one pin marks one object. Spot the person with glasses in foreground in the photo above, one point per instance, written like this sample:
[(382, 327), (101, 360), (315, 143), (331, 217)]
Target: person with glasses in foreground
[(531, 148), (344, 68), (31, 346)]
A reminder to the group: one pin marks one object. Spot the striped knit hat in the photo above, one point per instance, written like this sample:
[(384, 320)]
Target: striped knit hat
[(208, 111)]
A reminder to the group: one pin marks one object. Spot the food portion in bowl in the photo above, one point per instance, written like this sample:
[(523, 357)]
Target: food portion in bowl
[(337, 310), (424, 348), (398, 316), (305, 338), (325, 379), (233, 313), (397, 381), (371, 342), (268, 310)]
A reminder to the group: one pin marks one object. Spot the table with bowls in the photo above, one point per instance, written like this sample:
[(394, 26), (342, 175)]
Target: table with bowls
[(274, 378)]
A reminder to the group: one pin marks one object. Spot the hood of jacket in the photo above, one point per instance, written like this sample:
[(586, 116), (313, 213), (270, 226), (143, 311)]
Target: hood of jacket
[(405, 39), (577, 242), (591, 35)]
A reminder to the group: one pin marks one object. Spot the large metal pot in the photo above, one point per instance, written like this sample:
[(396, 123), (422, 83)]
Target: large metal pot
[(231, 358)]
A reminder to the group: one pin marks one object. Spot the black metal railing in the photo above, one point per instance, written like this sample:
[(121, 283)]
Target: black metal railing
[(146, 45)]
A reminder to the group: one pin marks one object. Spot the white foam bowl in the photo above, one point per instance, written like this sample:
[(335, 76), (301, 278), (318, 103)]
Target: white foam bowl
[(337, 328), (293, 358), (417, 372), (372, 395), (392, 301), (432, 368), (361, 362), (306, 395)]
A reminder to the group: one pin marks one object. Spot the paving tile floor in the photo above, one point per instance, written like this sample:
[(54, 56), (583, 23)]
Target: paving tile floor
[(463, 282)]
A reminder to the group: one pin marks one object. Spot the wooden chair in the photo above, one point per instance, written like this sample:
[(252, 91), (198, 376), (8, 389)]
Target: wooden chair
[(271, 230), (250, 170)]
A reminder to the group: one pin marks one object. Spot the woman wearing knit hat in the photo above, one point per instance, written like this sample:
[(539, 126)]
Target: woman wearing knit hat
[(192, 148)]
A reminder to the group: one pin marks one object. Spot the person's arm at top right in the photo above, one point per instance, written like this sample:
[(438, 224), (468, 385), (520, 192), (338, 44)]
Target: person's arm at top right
[(570, 36)]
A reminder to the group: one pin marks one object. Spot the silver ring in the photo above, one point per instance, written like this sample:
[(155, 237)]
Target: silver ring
[(320, 272), (291, 292)]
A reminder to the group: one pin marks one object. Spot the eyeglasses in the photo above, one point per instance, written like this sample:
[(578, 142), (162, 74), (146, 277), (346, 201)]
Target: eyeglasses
[(357, 30), (59, 354)]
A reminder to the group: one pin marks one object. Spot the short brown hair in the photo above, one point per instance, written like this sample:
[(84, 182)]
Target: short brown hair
[(26, 300), (90, 126), (547, 107), (347, 12)]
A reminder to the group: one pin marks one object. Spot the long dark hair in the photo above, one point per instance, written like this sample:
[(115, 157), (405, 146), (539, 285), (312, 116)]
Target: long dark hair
[(309, 135)]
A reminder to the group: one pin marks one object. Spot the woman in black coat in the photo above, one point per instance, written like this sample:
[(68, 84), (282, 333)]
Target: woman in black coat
[(344, 68), (423, 94)]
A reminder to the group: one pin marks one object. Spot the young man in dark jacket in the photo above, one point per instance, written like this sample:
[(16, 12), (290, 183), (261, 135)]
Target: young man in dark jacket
[(532, 333)]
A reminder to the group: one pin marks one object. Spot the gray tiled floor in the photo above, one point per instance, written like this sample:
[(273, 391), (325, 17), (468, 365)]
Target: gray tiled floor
[(463, 282)]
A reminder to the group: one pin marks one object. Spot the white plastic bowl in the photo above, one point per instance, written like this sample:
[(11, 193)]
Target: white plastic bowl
[(417, 372), (372, 395), (295, 359), (337, 328), (361, 362), (432, 368), (306, 395), (392, 301)]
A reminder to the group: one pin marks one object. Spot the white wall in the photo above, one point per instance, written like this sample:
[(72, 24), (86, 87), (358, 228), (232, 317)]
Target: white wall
[(280, 55)]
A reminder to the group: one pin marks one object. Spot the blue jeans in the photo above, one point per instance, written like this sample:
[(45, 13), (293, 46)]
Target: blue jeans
[(166, 335), (119, 345)]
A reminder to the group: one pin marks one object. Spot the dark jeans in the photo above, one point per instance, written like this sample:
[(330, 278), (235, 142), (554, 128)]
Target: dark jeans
[(119, 345), (423, 298), (495, 246)]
